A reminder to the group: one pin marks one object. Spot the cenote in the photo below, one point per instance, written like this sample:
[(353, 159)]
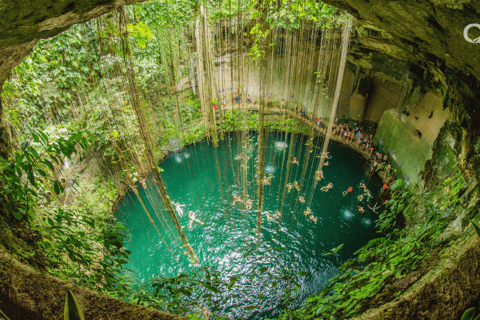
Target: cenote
[(205, 179)]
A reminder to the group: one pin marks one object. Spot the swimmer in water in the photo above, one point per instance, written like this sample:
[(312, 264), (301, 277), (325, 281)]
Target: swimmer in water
[(266, 181), (301, 199), (327, 187), (236, 199), (313, 219), (144, 183), (308, 212), (350, 189), (289, 187), (326, 164), (269, 217), (193, 218), (360, 197), (361, 209), (278, 215), (374, 209), (318, 175), (295, 160), (296, 186), (248, 204), (179, 209)]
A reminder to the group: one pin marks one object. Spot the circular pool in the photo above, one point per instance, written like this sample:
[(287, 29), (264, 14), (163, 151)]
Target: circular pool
[(204, 180)]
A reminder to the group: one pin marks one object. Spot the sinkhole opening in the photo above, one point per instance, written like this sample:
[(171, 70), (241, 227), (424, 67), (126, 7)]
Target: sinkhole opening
[(219, 186)]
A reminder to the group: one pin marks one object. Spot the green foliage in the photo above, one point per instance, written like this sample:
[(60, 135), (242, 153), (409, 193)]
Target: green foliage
[(72, 310), (206, 286), (34, 162), (477, 146)]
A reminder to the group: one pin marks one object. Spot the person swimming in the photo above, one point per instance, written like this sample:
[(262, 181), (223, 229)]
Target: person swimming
[(296, 186), (375, 208), (344, 193), (144, 183), (248, 204), (236, 199), (179, 209), (313, 218), (318, 175), (327, 187), (295, 160), (269, 217), (307, 212), (360, 197), (266, 180), (301, 199), (361, 209), (289, 187), (326, 163), (278, 215), (193, 218)]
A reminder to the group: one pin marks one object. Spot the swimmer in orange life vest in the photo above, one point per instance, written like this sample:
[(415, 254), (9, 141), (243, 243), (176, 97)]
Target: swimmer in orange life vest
[(236, 199), (327, 187), (350, 189)]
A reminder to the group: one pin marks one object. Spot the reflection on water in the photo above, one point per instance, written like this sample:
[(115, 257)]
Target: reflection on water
[(291, 241)]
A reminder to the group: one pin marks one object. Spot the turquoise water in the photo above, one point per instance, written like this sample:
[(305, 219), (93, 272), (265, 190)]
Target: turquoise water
[(195, 177)]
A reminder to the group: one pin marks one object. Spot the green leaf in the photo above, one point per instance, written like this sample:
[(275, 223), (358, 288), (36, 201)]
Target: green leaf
[(263, 269), (232, 281), (470, 313), (261, 296), (57, 187), (251, 308), (302, 273), (72, 309)]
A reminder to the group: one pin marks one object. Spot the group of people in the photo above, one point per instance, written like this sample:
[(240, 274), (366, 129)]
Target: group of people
[(191, 215), (273, 217)]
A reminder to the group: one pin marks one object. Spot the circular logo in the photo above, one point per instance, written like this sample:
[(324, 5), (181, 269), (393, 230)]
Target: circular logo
[(465, 33)]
